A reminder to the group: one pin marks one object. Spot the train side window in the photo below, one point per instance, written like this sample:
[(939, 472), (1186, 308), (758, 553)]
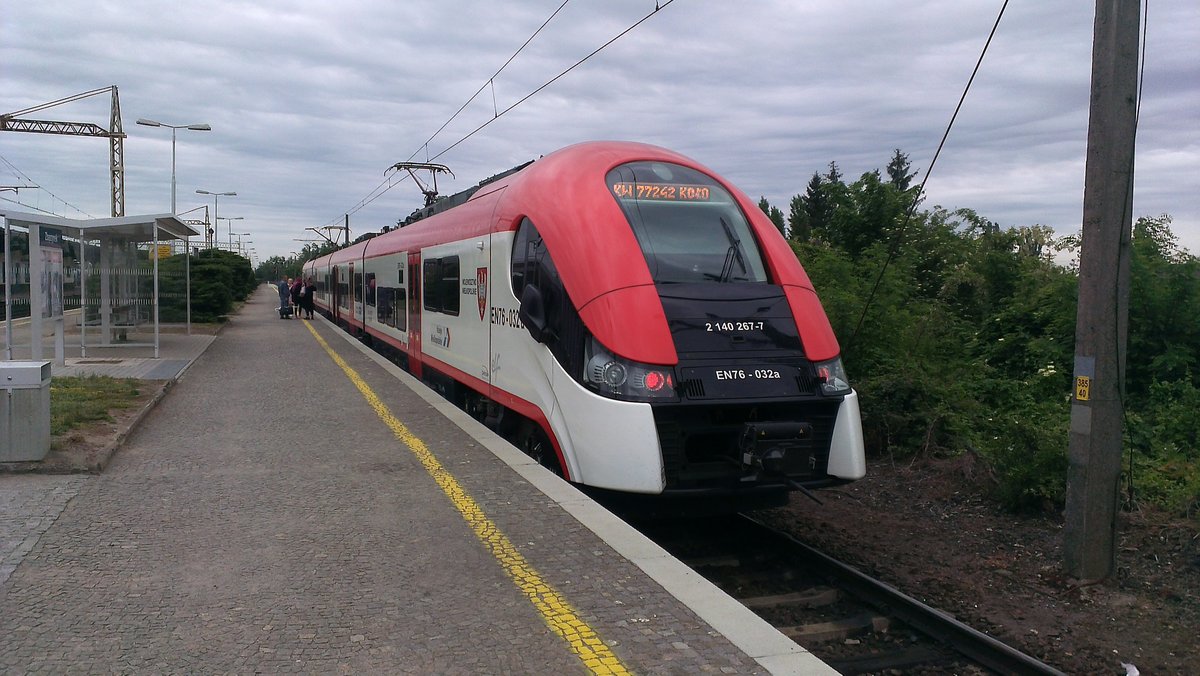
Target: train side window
[(371, 289), (450, 294), (384, 311), (520, 254), (533, 266), (441, 293), (430, 291)]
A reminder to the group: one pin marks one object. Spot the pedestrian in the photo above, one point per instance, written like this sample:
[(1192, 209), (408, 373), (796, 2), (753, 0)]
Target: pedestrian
[(297, 284), (285, 291), (306, 298)]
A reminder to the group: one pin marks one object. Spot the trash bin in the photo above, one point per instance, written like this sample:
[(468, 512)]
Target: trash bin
[(24, 410)]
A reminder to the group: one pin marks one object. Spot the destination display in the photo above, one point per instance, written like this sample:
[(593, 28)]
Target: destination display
[(663, 192)]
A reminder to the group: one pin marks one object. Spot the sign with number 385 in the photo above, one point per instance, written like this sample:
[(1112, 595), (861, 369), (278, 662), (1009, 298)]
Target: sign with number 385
[(1083, 388)]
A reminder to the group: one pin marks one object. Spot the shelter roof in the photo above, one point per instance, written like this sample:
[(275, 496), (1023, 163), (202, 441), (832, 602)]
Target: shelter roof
[(135, 228)]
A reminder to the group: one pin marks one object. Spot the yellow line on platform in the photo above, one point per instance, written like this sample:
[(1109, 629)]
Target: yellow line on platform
[(555, 609)]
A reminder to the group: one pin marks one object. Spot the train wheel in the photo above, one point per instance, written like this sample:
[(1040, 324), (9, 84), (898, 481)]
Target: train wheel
[(536, 445)]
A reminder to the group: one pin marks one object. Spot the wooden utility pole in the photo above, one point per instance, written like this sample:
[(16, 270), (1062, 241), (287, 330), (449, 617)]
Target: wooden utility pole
[(1102, 321)]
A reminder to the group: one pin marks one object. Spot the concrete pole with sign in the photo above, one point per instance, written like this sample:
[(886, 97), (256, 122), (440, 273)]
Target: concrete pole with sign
[(1094, 451)]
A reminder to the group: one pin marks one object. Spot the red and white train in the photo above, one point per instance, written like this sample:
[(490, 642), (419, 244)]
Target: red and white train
[(628, 317)]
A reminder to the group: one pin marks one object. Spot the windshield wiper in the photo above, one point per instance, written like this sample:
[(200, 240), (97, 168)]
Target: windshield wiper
[(733, 253)]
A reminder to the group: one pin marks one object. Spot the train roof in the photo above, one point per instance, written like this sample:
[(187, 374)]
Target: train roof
[(565, 196)]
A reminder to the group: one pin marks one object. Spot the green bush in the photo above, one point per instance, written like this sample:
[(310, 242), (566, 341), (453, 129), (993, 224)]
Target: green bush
[(218, 280), (1024, 438), (959, 334), (1166, 447)]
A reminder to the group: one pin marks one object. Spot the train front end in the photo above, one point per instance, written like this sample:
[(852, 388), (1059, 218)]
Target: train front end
[(713, 327)]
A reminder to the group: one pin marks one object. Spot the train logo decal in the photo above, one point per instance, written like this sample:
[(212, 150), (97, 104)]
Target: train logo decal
[(481, 290)]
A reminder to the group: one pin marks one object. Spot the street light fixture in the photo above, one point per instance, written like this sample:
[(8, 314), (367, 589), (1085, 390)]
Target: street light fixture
[(239, 235), (229, 223), (215, 195), (194, 127)]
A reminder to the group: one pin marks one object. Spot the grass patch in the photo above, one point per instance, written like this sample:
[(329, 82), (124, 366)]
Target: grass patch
[(78, 400)]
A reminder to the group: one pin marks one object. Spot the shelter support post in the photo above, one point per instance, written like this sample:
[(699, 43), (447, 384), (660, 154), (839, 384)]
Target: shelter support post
[(154, 299), (8, 280), (35, 295)]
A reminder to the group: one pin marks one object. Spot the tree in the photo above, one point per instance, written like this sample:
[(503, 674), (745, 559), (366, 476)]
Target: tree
[(898, 171), (772, 213), (1164, 312), (816, 205), (799, 228), (834, 176), (863, 213)]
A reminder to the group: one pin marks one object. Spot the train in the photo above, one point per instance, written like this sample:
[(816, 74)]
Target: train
[(622, 314)]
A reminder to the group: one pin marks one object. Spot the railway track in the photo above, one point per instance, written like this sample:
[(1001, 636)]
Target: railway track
[(855, 623)]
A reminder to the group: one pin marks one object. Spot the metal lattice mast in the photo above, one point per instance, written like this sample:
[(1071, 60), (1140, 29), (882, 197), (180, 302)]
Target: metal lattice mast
[(116, 156), (116, 136)]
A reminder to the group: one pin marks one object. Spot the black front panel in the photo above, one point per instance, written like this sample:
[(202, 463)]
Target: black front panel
[(700, 444), (729, 318), (743, 378)]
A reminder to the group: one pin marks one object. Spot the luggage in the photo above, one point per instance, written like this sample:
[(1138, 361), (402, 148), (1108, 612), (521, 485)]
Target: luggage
[(285, 312)]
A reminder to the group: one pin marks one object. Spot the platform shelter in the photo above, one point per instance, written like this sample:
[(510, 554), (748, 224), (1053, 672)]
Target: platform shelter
[(117, 291)]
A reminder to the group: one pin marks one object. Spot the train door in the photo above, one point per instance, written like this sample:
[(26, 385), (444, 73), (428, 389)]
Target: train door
[(354, 293), (365, 292), (414, 313), (335, 291)]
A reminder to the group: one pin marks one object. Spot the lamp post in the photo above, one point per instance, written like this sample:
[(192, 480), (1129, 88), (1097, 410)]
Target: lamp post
[(239, 235), (194, 127), (229, 224), (215, 195)]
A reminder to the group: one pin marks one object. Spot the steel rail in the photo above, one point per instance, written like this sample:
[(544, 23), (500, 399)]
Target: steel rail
[(971, 642)]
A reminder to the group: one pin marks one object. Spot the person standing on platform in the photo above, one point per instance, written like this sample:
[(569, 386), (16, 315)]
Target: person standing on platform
[(297, 284), (285, 292), (306, 297)]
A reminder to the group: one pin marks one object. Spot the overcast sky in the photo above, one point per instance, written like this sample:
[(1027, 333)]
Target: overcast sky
[(310, 101)]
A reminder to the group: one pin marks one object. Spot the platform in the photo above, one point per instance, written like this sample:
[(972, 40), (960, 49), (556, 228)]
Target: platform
[(297, 504)]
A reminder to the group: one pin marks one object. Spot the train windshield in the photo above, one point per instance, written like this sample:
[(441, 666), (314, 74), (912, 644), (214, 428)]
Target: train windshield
[(689, 227)]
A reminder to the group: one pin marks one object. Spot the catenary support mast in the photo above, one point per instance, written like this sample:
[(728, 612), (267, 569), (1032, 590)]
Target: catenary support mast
[(1101, 330)]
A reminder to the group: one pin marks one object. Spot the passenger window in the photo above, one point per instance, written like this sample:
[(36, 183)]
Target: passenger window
[(520, 255), (441, 293)]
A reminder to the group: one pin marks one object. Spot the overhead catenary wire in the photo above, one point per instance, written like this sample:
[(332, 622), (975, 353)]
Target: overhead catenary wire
[(490, 81), (896, 240), (391, 181), (387, 184), (36, 186), (658, 7)]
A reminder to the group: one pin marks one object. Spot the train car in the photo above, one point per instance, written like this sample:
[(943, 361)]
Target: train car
[(625, 315)]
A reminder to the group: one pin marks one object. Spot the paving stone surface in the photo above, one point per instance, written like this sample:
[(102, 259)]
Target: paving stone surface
[(263, 518)]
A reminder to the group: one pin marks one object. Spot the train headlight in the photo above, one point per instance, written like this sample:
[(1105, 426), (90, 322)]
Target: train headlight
[(833, 377), (621, 378)]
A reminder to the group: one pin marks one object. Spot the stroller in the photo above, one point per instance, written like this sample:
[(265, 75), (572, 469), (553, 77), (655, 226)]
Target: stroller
[(285, 310)]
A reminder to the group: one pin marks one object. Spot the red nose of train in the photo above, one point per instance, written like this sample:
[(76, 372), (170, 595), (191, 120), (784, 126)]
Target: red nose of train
[(604, 265)]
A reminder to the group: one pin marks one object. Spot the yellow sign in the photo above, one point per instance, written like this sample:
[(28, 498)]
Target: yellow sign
[(1083, 388), (164, 251)]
